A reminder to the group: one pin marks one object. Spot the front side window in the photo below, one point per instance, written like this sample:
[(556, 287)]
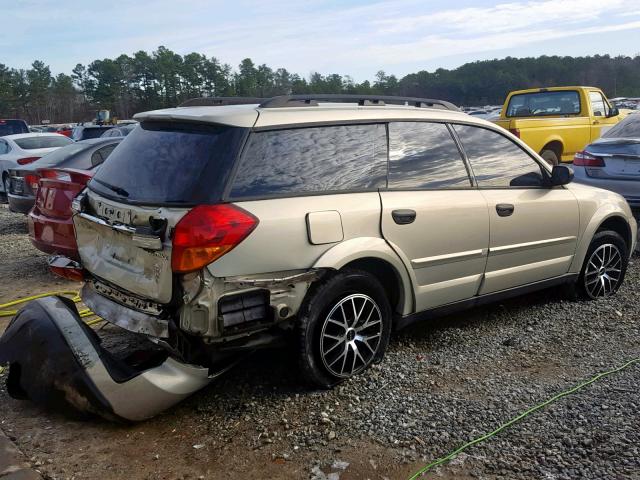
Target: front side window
[(424, 155), (539, 104), (496, 161), (313, 160), (598, 104)]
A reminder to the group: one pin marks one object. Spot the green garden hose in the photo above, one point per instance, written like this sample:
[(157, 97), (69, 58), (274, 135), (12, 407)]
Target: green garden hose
[(516, 419)]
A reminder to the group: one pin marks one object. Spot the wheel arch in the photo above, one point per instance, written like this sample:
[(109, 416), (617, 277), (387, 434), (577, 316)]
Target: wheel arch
[(555, 145), (374, 255), (609, 220)]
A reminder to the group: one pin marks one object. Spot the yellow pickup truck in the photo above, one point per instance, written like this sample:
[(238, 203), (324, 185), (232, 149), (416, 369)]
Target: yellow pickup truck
[(557, 122)]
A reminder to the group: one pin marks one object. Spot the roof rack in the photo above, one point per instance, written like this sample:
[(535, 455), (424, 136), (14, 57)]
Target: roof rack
[(362, 100), (217, 101)]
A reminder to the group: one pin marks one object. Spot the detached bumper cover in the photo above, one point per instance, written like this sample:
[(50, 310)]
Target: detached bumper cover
[(56, 360)]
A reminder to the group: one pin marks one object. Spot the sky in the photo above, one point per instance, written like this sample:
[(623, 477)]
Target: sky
[(349, 37)]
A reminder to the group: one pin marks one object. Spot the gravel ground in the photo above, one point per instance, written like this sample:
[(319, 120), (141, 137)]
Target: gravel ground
[(440, 385)]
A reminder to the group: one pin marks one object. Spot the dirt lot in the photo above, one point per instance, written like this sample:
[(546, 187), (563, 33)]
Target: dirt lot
[(440, 385)]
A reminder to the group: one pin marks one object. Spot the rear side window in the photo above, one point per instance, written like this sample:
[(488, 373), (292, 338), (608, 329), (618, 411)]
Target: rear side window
[(33, 143), (313, 160), (170, 163), (101, 154), (13, 127), (424, 155), (496, 161)]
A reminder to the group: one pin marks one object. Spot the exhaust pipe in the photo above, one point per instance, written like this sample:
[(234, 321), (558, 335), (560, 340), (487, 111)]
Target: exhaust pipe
[(56, 360)]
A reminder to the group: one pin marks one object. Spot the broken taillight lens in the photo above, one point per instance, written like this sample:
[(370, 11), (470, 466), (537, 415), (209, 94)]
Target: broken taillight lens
[(32, 180), (206, 233)]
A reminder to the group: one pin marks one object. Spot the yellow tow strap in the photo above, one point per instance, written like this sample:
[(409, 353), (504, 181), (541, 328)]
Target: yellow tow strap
[(84, 313)]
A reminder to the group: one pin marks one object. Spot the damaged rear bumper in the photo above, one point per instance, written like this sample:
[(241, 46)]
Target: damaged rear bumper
[(57, 360)]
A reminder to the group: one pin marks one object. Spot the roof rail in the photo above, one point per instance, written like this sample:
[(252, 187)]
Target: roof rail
[(363, 100), (217, 101)]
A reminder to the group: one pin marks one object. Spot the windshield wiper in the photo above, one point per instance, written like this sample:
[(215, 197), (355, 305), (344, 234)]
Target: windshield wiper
[(119, 190)]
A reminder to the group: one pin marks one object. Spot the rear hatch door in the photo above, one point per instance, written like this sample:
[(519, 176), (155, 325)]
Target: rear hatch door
[(149, 182)]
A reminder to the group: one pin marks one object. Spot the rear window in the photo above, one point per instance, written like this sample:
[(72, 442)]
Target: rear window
[(170, 163), (61, 155), (13, 127), (313, 160), (539, 104), (627, 128), (33, 143)]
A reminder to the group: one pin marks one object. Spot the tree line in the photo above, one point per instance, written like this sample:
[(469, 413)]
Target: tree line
[(146, 81)]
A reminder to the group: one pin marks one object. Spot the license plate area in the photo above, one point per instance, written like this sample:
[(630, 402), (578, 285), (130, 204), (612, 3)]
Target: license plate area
[(113, 214), (17, 185), (632, 167)]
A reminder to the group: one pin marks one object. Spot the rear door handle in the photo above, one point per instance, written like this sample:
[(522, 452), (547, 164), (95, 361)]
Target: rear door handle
[(403, 216), (504, 209)]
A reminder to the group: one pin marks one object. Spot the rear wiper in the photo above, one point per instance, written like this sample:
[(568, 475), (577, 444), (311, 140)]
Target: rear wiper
[(119, 190)]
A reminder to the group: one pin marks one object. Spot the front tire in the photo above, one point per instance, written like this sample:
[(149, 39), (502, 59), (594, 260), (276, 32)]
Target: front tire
[(344, 326), (604, 266)]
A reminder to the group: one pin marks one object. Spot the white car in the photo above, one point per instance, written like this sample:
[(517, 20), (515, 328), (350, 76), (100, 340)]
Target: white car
[(25, 148)]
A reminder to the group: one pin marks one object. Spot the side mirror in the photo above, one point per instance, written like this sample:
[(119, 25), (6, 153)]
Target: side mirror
[(614, 112), (561, 175)]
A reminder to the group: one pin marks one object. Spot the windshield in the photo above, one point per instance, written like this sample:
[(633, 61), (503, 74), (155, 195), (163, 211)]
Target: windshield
[(34, 143), (564, 102), (627, 128), (13, 127), (170, 163)]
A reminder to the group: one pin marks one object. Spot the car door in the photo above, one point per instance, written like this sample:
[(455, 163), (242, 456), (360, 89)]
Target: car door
[(600, 110), (432, 215), (533, 227)]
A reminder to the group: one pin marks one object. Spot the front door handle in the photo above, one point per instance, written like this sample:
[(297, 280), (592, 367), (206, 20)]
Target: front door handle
[(504, 209), (403, 216)]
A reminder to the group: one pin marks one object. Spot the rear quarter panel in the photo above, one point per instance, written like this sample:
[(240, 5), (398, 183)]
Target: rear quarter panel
[(281, 240)]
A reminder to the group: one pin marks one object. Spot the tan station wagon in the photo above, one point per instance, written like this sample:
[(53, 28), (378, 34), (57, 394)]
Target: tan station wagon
[(329, 221)]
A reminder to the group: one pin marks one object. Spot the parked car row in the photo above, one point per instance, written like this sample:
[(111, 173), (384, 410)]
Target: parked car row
[(327, 221)]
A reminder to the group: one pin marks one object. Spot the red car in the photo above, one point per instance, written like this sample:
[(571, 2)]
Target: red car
[(50, 225)]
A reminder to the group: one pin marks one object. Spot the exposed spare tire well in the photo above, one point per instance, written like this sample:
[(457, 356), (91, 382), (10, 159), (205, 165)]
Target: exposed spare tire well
[(618, 225), (386, 274)]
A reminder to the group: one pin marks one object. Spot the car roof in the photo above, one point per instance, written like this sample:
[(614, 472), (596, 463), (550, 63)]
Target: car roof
[(253, 115)]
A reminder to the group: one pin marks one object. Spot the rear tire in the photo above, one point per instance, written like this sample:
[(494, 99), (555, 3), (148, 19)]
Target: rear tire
[(344, 326), (604, 266), (550, 157)]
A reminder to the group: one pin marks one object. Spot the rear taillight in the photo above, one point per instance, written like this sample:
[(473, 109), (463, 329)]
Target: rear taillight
[(515, 131), (25, 160), (74, 274), (32, 180), (206, 233), (585, 159)]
